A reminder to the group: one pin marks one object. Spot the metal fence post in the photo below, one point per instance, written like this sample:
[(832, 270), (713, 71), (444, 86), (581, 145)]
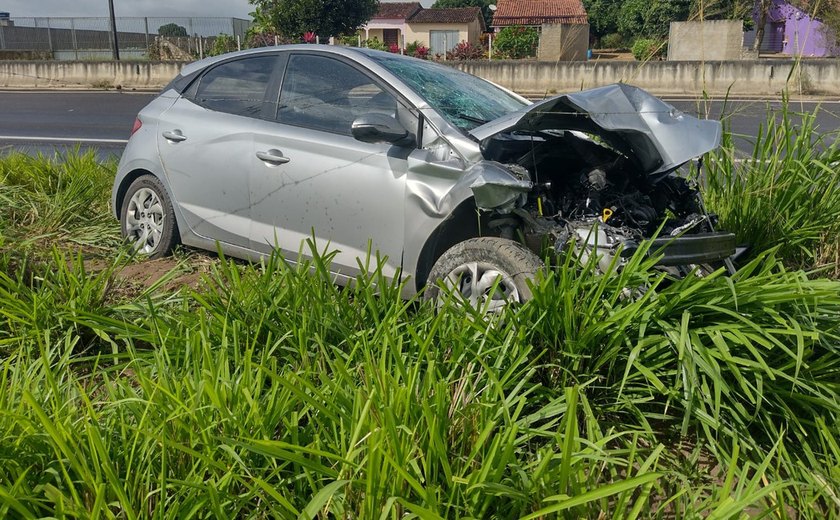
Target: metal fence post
[(49, 35), (146, 23), (73, 37)]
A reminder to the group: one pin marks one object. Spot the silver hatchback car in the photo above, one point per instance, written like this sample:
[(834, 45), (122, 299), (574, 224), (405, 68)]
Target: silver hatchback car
[(444, 175)]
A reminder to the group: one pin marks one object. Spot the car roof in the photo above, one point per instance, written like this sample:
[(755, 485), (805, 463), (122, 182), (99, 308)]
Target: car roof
[(351, 52)]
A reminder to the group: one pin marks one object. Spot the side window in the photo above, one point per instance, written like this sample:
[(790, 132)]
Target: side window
[(326, 94), (236, 87)]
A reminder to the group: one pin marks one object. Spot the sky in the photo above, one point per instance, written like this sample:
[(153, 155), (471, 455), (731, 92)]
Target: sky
[(223, 8)]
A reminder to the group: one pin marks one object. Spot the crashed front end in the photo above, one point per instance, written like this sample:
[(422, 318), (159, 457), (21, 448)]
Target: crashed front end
[(597, 171)]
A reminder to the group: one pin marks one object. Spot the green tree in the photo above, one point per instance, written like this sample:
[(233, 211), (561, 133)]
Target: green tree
[(631, 17), (483, 4), (723, 10), (323, 17), (172, 30), (603, 16), (651, 18), (516, 42), (662, 12)]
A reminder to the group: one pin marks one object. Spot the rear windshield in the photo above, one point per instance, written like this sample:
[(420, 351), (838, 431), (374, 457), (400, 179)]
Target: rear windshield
[(464, 100)]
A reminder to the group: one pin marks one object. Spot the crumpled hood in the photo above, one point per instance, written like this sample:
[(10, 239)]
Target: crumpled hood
[(647, 130)]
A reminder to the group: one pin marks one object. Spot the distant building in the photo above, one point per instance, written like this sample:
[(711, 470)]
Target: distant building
[(791, 31), (439, 29), (536, 13), (563, 25)]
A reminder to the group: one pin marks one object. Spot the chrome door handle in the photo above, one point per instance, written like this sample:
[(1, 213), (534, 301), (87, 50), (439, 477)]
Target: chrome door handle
[(273, 156), (174, 136)]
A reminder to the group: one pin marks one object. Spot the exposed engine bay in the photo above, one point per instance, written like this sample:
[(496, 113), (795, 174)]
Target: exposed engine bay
[(587, 195)]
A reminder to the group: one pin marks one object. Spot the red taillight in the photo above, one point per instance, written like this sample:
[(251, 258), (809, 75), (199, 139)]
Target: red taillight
[(136, 127)]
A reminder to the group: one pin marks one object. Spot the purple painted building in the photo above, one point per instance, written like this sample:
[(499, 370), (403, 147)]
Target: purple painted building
[(792, 31)]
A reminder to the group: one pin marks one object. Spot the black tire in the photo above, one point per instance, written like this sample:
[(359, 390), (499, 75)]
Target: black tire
[(147, 219), (491, 257)]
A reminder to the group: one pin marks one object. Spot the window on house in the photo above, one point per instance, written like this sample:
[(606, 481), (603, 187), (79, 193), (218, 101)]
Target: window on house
[(440, 42)]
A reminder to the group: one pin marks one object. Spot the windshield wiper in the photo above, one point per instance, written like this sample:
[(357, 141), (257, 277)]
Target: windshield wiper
[(471, 119)]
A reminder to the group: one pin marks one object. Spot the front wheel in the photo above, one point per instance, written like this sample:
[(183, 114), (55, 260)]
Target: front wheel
[(147, 219), (487, 273)]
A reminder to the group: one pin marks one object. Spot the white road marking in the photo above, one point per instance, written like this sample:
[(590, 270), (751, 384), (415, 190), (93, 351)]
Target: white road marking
[(757, 100), (61, 139)]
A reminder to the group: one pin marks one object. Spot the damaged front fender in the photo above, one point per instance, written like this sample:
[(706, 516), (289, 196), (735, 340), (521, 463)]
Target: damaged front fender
[(494, 187), (497, 187)]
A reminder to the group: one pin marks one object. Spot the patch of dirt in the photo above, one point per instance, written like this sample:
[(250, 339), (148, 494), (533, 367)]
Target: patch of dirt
[(169, 274), (612, 55)]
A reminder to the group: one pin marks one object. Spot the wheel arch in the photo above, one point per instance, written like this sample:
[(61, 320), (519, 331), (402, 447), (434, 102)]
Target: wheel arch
[(465, 222), (125, 182)]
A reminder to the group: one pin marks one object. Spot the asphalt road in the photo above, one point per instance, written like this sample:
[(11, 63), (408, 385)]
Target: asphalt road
[(48, 121)]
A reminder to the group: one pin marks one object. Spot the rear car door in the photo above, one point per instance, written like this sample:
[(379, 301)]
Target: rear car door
[(206, 145), (348, 193)]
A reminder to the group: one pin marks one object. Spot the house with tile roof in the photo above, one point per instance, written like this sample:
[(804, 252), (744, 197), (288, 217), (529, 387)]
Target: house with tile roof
[(563, 25), (536, 13), (439, 29)]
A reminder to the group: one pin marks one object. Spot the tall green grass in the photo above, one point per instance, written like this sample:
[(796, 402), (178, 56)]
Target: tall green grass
[(56, 199), (269, 392), (786, 194), (278, 394)]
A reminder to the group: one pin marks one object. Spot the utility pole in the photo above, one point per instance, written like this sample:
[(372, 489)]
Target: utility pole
[(114, 31)]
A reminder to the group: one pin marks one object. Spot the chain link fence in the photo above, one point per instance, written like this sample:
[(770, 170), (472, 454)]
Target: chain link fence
[(138, 38)]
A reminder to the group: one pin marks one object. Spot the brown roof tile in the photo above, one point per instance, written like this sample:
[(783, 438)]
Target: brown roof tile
[(537, 12), (447, 15), (396, 10)]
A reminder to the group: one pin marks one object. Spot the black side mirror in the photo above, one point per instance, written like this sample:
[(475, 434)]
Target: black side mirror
[(379, 128)]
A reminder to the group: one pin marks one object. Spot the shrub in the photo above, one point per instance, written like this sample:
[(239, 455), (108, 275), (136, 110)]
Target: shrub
[(417, 50), (613, 41), (222, 44), (644, 49), (466, 51), (516, 42), (350, 40), (375, 44), (266, 39)]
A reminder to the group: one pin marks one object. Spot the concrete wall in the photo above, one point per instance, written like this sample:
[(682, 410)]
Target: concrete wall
[(563, 42), (708, 40), (374, 33), (754, 78), (54, 74)]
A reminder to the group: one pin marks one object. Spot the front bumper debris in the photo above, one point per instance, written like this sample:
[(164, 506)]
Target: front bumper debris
[(702, 248)]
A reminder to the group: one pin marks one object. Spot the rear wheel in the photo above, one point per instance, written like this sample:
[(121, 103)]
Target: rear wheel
[(487, 273), (147, 219)]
